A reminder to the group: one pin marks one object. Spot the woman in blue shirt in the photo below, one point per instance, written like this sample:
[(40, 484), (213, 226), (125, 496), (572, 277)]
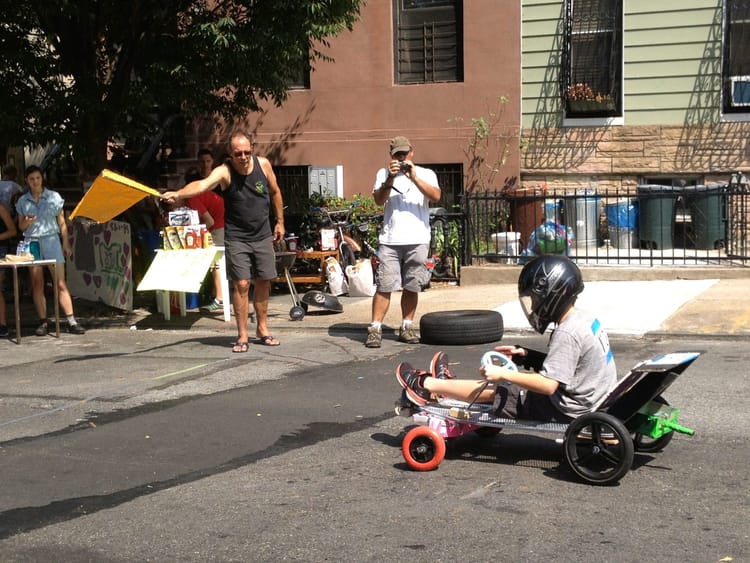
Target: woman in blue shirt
[(42, 220)]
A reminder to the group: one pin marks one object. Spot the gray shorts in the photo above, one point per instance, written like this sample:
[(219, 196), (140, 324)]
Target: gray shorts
[(402, 267), (250, 260)]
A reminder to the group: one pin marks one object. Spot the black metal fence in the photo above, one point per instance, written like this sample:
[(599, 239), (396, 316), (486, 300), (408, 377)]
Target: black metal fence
[(651, 225)]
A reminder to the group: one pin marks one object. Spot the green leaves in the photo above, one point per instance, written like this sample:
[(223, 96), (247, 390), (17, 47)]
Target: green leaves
[(84, 72)]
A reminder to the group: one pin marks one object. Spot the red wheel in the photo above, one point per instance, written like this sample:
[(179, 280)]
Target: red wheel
[(423, 448)]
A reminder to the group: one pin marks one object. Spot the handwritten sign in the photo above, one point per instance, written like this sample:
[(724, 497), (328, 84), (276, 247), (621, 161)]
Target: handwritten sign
[(179, 270)]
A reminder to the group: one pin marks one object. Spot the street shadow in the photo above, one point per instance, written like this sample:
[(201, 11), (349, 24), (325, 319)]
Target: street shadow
[(215, 341)]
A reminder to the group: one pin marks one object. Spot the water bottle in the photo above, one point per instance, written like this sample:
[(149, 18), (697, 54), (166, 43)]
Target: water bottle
[(24, 247)]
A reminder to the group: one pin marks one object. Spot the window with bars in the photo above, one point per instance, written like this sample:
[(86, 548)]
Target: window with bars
[(428, 41), (294, 185), (451, 181), (736, 67), (592, 58)]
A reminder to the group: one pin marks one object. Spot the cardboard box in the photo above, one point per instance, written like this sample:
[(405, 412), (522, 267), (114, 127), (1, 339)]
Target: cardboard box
[(182, 217)]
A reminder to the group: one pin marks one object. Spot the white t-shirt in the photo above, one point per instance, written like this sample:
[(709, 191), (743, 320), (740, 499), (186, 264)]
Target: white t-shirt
[(406, 213)]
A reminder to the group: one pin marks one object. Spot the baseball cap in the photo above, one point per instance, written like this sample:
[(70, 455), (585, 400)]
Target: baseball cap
[(400, 144)]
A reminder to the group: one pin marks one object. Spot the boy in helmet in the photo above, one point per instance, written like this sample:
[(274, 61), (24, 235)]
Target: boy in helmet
[(568, 381)]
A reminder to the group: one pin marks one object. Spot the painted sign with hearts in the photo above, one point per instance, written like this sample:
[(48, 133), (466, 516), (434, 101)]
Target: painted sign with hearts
[(101, 266)]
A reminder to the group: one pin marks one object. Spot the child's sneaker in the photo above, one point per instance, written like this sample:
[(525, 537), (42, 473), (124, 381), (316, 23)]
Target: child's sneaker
[(214, 306), (412, 381), (439, 366)]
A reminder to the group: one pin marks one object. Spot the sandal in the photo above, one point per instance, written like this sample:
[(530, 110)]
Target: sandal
[(268, 340), (239, 347)]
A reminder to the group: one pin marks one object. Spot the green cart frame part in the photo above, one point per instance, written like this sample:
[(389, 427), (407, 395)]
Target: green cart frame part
[(657, 419)]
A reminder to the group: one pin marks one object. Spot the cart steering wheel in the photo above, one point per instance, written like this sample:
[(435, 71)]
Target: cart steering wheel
[(493, 358)]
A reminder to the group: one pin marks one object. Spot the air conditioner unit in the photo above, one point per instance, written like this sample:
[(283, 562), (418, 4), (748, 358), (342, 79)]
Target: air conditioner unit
[(740, 90)]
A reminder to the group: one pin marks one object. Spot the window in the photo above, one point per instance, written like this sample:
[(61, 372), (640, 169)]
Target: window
[(451, 181), (428, 41), (736, 68), (592, 58), (294, 186), (301, 76)]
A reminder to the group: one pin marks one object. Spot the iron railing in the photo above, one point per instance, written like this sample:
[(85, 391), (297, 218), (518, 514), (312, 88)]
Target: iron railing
[(649, 226)]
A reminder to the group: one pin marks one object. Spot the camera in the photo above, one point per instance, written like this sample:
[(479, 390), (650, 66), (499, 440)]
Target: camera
[(404, 167)]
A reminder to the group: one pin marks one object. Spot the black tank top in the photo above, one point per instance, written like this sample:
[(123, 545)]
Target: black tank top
[(247, 205)]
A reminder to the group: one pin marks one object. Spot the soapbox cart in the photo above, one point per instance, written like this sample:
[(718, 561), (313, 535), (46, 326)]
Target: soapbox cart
[(598, 446)]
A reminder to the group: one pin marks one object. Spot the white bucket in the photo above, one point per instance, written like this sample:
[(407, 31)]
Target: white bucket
[(507, 244)]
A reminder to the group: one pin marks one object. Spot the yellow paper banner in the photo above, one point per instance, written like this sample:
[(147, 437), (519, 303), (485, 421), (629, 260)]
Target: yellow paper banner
[(110, 195)]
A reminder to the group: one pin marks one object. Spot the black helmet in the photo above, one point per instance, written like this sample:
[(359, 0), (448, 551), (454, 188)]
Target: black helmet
[(325, 301), (547, 286)]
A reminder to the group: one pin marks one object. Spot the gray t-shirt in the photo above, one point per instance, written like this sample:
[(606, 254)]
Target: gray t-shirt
[(580, 359)]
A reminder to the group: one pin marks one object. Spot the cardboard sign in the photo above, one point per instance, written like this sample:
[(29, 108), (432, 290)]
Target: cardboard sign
[(179, 270), (110, 195), (101, 266)]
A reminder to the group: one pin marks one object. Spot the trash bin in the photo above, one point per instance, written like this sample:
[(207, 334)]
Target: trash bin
[(506, 245), (526, 211), (622, 223), (582, 212), (656, 216), (707, 205)]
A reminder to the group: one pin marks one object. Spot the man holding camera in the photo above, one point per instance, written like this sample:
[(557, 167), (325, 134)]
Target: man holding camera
[(405, 191)]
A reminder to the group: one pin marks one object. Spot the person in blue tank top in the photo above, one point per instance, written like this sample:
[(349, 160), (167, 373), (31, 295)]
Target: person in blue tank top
[(248, 185)]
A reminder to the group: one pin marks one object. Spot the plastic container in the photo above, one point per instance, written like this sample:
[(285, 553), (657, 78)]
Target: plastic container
[(582, 213), (622, 223), (707, 205), (656, 216), (291, 242), (506, 244), (526, 210)]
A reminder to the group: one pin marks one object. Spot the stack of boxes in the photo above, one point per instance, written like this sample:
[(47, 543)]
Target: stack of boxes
[(184, 231)]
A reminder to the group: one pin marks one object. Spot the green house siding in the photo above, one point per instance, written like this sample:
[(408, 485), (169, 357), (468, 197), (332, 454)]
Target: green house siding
[(541, 48), (672, 61)]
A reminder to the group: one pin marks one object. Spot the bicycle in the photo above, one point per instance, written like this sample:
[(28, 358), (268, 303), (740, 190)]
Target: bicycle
[(348, 248)]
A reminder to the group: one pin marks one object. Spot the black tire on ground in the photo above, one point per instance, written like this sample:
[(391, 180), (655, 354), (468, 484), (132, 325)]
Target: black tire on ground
[(461, 327)]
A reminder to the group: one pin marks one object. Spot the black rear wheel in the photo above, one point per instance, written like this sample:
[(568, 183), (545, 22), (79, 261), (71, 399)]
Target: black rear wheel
[(598, 448)]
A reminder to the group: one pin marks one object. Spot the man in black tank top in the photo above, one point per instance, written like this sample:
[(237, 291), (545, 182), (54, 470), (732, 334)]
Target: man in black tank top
[(249, 188)]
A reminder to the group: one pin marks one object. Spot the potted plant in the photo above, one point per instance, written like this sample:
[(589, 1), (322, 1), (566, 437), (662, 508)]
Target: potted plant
[(582, 99)]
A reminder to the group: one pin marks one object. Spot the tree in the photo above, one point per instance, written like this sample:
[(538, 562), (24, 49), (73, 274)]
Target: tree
[(82, 72)]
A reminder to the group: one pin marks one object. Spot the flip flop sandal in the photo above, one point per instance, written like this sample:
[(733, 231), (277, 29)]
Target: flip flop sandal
[(268, 340), (239, 347)]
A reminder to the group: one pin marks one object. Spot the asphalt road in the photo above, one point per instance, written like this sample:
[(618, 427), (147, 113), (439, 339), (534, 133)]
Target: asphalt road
[(161, 446)]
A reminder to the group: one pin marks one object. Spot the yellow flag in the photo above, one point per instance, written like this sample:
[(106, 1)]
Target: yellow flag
[(110, 195)]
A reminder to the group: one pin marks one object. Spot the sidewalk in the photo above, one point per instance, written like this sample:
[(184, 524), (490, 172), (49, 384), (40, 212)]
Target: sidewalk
[(678, 307)]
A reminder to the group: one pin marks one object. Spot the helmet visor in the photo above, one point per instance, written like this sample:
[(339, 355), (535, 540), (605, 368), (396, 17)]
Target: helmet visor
[(527, 305)]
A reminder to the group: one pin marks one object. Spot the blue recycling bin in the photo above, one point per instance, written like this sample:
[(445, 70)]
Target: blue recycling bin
[(622, 223)]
